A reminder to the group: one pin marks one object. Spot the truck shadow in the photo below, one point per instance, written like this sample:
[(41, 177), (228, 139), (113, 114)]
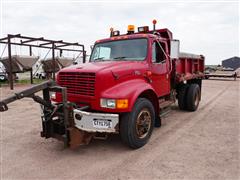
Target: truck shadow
[(112, 143), (221, 79)]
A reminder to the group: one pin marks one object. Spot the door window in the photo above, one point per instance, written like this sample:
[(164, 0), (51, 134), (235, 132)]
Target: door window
[(158, 52)]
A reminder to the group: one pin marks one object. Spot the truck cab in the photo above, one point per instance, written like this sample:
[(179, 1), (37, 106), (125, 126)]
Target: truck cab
[(120, 67)]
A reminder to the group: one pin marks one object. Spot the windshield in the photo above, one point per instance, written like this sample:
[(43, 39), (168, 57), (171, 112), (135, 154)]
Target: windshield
[(131, 49)]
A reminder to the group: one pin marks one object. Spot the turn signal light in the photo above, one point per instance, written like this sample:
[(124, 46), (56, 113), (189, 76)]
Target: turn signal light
[(122, 103)]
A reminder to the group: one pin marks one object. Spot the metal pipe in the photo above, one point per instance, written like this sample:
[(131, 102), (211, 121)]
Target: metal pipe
[(31, 40), (54, 61), (41, 39), (31, 71), (84, 56), (30, 50), (61, 53), (10, 74), (69, 44), (44, 46)]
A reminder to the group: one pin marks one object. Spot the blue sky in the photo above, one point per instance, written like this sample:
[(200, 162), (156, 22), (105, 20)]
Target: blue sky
[(208, 28)]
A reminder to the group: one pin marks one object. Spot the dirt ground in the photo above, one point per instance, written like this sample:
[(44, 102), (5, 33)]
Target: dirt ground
[(189, 145)]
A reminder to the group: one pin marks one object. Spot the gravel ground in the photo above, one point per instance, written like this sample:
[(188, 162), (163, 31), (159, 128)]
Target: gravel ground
[(197, 145)]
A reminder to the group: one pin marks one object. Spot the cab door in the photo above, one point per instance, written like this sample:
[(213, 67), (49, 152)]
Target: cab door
[(160, 68)]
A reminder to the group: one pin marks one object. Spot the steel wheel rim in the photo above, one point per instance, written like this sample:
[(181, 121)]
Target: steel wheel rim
[(143, 123), (196, 101)]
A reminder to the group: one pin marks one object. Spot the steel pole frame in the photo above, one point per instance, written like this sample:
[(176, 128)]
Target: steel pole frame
[(7, 40), (54, 61), (10, 75), (31, 71)]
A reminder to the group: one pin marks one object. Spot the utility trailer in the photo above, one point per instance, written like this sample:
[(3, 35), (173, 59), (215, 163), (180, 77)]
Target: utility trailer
[(129, 82), (222, 75)]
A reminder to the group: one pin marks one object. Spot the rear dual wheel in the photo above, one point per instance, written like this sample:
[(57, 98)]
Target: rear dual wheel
[(193, 97), (182, 97), (189, 96)]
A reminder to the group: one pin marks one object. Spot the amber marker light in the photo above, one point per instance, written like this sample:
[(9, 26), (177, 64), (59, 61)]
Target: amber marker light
[(122, 103), (131, 27)]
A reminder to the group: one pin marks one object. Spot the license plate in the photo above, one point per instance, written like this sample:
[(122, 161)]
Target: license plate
[(102, 123)]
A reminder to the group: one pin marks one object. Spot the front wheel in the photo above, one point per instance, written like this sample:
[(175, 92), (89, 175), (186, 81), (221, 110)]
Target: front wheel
[(136, 126)]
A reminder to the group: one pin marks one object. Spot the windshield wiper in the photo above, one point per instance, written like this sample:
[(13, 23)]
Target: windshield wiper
[(120, 57), (99, 59)]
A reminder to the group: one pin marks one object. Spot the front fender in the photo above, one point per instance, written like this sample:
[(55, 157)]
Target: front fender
[(127, 90)]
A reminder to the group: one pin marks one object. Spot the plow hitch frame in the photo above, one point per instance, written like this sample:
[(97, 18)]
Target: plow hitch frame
[(57, 118)]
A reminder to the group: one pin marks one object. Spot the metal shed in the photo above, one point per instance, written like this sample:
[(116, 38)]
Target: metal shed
[(233, 62)]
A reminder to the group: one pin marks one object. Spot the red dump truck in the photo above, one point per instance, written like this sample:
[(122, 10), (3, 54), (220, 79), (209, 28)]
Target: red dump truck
[(130, 80)]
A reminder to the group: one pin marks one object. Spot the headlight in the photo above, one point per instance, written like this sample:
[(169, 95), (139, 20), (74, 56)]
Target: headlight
[(108, 103), (113, 103)]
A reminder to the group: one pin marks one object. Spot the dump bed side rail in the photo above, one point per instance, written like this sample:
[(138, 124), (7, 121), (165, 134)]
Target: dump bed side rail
[(188, 68)]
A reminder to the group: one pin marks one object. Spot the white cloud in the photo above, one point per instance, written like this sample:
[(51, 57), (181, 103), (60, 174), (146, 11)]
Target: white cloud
[(211, 29)]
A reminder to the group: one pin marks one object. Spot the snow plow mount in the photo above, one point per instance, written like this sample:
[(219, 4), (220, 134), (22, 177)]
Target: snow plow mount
[(57, 118)]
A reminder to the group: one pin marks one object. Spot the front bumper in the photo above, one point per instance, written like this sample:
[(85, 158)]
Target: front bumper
[(96, 122)]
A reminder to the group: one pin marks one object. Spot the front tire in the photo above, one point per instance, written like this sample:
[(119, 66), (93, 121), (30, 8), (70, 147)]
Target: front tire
[(136, 126)]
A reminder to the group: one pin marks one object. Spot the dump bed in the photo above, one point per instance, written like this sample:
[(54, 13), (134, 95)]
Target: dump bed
[(189, 66)]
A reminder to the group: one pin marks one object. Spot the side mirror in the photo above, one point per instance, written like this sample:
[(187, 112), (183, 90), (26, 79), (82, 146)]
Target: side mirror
[(174, 50)]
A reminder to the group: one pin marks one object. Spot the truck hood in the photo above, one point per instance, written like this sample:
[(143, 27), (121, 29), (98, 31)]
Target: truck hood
[(114, 66)]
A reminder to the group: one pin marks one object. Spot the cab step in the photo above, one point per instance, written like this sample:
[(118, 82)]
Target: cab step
[(165, 104)]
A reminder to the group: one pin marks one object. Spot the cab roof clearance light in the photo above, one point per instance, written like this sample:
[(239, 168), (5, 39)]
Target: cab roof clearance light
[(154, 24), (131, 29), (154, 21), (143, 29), (115, 33)]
